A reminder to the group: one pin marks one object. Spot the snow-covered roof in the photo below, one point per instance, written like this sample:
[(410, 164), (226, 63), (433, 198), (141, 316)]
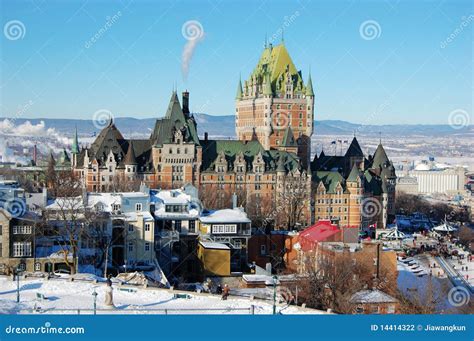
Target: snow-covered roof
[(212, 245), (133, 216), (174, 196), (372, 296), (235, 215)]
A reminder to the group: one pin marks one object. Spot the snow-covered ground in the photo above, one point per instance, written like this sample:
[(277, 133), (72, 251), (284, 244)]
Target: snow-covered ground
[(71, 296)]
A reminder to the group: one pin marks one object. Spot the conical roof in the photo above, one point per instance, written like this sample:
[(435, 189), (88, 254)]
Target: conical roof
[(288, 138), (239, 90), (354, 149), (130, 156), (380, 157), (309, 87)]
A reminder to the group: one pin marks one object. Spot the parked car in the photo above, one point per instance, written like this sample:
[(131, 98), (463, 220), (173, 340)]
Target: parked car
[(196, 287)]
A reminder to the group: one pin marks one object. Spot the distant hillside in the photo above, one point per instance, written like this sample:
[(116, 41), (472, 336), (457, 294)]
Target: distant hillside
[(224, 126)]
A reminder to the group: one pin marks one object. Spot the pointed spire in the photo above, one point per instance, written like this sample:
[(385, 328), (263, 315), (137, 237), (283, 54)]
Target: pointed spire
[(239, 89), (75, 144), (309, 86), (130, 157), (322, 153)]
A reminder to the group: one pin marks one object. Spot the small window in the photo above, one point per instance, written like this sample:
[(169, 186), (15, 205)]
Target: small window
[(391, 309), (147, 227), (130, 247), (147, 246), (138, 207), (263, 250), (37, 266), (130, 228)]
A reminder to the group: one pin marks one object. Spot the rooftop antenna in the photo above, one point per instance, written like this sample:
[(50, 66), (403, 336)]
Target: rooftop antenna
[(282, 35)]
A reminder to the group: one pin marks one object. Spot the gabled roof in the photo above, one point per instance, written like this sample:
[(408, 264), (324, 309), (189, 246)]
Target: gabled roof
[(354, 149), (354, 174), (329, 179)]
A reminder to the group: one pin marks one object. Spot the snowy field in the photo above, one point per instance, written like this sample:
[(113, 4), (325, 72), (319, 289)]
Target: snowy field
[(65, 297)]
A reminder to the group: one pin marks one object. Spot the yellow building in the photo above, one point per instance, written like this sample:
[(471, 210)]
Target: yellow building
[(214, 258)]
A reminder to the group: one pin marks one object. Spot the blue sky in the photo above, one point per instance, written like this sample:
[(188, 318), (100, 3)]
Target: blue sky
[(410, 72)]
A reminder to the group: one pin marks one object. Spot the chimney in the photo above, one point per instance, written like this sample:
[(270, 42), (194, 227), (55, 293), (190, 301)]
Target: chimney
[(35, 154), (206, 136), (234, 201), (186, 102)]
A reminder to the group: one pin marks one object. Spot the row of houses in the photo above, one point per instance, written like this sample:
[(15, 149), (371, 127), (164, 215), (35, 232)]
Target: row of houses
[(122, 231)]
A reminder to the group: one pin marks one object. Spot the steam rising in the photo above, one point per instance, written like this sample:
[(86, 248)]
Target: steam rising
[(193, 32)]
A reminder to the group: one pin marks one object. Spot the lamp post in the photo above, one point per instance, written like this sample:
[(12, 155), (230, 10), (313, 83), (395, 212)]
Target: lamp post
[(18, 284), (95, 301), (275, 278)]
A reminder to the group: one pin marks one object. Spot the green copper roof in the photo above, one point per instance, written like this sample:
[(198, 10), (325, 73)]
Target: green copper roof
[(275, 62), (288, 138), (211, 149), (174, 120), (75, 144), (239, 90), (64, 158), (354, 174), (380, 157), (309, 87), (329, 179)]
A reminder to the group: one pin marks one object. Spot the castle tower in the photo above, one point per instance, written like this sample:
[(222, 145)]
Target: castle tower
[(75, 149), (273, 98)]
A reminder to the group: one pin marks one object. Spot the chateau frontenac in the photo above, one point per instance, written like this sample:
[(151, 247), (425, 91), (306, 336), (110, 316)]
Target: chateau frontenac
[(274, 125)]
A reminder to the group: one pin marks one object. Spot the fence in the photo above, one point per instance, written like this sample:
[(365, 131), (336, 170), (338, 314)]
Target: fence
[(169, 311)]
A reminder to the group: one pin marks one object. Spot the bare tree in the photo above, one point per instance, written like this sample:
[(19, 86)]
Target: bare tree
[(123, 183), (292, 201), (69, 219)]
